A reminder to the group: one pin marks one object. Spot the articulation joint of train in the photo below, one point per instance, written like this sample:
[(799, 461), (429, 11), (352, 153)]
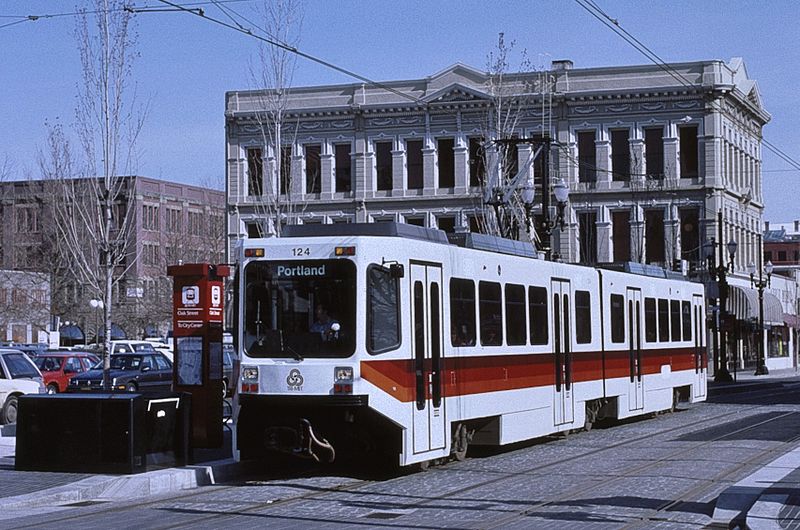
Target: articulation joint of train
[(393, 340)]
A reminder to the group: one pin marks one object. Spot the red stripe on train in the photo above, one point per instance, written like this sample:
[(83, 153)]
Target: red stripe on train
[(475, 375)]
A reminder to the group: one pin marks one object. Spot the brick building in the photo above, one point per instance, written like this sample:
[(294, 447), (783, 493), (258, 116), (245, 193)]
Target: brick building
[(171, 222)]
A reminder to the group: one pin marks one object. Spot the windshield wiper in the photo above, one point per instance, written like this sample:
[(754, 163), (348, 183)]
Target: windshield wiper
[(286, 347), (296, 355)]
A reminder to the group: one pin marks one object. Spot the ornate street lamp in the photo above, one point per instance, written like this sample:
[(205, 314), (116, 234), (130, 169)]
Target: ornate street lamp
[(561, 192), (760, 284), (97, 305), (719, 274)]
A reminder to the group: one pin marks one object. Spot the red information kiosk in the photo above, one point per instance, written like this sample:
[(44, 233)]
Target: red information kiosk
[(198, 304)]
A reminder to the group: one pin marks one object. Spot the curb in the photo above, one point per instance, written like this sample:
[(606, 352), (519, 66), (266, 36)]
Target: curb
[(107, 487), (764, 515), (735, 504)]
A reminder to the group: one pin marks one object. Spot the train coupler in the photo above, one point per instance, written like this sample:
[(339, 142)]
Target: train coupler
[(300, 442), (313, 447)]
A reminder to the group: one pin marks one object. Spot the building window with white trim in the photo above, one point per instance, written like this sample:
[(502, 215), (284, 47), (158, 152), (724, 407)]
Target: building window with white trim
[(689, 152), (255, 171), (414, 164), (620, 155), (383, 165), (446, 157), (313, 168), (343, 162)]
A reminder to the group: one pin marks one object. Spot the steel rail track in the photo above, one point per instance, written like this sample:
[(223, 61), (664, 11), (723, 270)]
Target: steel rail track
[(421, 501)]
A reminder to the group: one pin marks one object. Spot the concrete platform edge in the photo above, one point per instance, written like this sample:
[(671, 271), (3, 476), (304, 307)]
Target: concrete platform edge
[(736, 503), (107, 487)]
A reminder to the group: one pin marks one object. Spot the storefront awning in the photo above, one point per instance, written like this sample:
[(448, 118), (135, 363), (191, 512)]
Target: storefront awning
[(793, 321), (743, 302)]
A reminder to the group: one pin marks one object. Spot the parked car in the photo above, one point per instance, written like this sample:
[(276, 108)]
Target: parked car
[(131, 346), (31, 350), (58, 367), (18, 375), (129, 371)]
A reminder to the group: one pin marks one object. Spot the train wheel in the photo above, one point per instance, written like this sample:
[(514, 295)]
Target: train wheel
[(676, 398), (460, 443), (424, 466)]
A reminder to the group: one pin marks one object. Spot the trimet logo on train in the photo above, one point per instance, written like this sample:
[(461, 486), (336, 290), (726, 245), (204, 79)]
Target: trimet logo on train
[(190, 295), (295, 380)]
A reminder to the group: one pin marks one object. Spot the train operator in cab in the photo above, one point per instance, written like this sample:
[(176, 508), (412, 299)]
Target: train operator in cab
[(325, 325)]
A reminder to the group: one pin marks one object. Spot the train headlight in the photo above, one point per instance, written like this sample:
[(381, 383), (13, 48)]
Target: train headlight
[(249, 379), (343, 374), (343, 380)]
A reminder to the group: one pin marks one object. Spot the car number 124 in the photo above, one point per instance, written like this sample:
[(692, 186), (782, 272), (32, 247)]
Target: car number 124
[(301, 251)]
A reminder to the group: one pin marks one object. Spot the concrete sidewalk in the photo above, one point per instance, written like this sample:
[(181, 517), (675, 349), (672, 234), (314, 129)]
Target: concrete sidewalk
[(770, 497), (28, 492)]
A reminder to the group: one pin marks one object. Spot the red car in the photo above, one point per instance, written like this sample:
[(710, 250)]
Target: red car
[(58, 367)]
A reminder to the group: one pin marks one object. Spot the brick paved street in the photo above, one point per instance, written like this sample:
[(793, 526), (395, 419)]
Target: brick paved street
[(664, 472)]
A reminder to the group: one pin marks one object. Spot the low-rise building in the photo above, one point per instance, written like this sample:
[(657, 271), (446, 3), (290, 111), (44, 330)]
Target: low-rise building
[(25, 307), (170, 222)]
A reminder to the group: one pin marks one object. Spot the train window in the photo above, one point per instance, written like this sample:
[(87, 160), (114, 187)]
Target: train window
[(462, 312), (490, 308), (515, 314), (537, 305), (419, 343), (663, 320), (687, 320), (650, 319), (675, 319), (583, 317), (291, 308), (617, 318), (436, 345), (383, 310)]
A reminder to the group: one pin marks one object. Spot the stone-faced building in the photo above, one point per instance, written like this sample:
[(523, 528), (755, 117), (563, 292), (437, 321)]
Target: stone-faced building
[(650, 156)]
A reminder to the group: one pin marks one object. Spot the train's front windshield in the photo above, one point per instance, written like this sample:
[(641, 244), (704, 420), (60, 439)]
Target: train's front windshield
[(300, 309)]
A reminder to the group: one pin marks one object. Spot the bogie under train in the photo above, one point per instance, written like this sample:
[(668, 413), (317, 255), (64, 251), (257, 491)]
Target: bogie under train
[(389, 339)]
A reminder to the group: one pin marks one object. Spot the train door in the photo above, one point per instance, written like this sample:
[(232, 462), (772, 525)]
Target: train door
[(562, 350), (426, 317), (700, 368), (636, 386)]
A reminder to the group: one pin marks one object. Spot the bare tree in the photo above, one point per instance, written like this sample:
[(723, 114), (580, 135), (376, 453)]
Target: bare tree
[(512, 96), (196, 237), (90, 190), (278, 198)]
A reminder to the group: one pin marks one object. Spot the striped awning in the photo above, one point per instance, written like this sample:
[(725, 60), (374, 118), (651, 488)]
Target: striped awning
[(743, 302), (793, 321)]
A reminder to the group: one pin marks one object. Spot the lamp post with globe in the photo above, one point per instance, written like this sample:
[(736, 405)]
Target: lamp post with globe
[(761, 283), (97, 305)]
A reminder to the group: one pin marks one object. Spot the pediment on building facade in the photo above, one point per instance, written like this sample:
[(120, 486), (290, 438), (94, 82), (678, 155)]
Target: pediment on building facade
[(456, 74), (456, 93), (747, 86)]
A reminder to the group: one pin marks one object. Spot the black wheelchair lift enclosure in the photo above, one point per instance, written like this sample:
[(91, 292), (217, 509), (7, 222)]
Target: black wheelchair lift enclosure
[(102, 432)]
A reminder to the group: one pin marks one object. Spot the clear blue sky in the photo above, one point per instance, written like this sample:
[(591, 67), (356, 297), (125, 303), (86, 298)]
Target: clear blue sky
[(187, 64)]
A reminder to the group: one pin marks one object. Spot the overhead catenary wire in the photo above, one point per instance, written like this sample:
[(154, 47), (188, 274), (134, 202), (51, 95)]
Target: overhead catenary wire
[(592, 8), (300, 53)]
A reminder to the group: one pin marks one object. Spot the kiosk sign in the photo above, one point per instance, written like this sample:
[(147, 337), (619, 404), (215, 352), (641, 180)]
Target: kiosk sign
[(197, 324)]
